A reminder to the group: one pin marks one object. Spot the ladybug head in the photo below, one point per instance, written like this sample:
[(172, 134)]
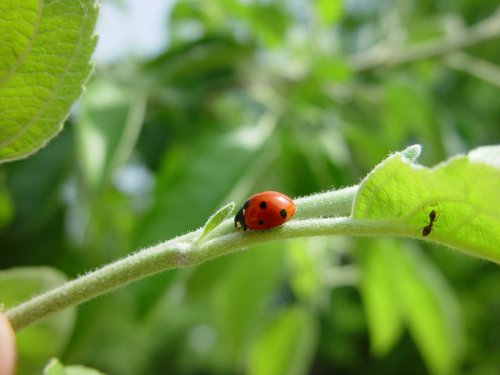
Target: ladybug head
[(239, 219)]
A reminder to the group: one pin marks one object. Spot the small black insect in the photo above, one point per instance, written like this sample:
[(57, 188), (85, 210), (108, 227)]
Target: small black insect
[(433, 216)]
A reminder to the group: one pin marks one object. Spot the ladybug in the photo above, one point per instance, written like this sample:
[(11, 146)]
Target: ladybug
[(264, 210)]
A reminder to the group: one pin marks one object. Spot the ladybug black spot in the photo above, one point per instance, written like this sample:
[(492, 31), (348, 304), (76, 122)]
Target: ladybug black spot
[(261, 222), (263, 205), (283, 213)]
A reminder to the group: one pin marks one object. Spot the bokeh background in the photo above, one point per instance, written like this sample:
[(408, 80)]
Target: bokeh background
[(197, 103)]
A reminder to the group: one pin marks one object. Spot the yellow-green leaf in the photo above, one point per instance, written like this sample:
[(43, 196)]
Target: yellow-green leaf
[(464, 193)]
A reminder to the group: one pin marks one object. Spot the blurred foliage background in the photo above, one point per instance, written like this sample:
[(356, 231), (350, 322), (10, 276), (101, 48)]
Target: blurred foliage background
[(297, 96)]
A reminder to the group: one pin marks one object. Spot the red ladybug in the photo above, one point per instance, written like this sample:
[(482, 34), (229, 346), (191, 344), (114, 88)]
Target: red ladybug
[(264, 210)]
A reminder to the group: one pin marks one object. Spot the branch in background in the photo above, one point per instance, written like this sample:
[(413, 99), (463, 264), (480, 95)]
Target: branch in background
[(384, 56), (478, 68)]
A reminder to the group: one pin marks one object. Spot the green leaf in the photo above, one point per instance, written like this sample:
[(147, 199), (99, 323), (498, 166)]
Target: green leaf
[(407, 111), (47, 338), (429, 307), (38, 204), (55, 367), (463, 191), (45, 48), (81, 370), (400, 285), (109, 124), (6, 204), (384, 316), (218, 217), (305, 277), (242, 293), (329, 11), (286, 347)]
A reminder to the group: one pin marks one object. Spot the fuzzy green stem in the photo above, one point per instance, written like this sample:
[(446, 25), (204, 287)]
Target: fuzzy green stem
[(331, 203), (183, 252), (140, 264), (163, 257)]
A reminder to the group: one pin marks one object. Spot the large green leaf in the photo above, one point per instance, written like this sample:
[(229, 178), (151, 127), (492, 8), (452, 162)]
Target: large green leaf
[(240, 297), (45, 48), (41, 341), (463, 191), (399, 285), (429, 306), (383, 312)]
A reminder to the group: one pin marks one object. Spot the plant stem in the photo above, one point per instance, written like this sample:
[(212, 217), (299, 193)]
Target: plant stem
[(135, 266), (179, 253), (183, 252), (479, 68), (331, 203)]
